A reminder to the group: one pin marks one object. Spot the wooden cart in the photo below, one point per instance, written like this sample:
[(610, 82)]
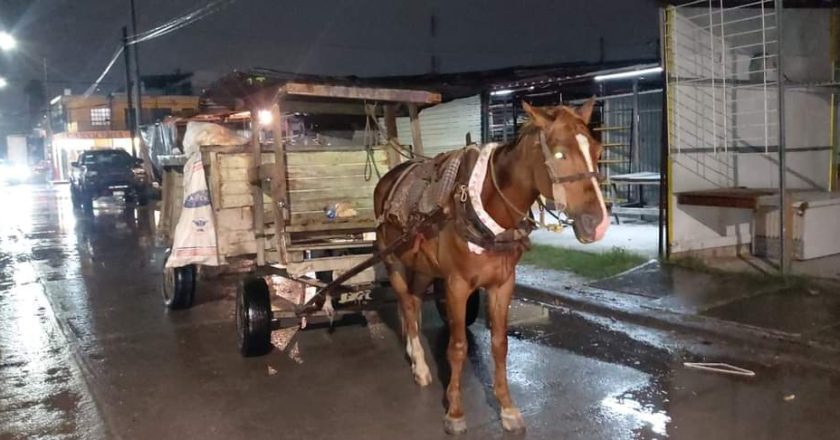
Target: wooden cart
[(298, 200)]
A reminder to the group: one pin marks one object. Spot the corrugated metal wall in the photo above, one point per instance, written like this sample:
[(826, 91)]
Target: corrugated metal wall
[(619, 157), (444, 126)]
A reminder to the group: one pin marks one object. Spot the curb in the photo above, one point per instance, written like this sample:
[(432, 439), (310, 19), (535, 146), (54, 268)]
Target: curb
[(600, 302)]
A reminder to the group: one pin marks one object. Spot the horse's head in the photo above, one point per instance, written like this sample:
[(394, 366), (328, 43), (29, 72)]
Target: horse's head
[(568, 174)]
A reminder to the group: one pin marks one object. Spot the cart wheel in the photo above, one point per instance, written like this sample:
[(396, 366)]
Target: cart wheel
[(178, 285), (253, 318), (473, 303)]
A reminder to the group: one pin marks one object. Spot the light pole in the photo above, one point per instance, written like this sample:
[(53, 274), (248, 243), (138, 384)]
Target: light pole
[(7, 41), (7, 44)]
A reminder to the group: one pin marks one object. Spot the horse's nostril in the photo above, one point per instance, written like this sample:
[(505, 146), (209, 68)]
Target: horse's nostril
[(589, 223)]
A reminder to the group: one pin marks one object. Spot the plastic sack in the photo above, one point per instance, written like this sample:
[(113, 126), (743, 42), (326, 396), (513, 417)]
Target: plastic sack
[(208, 133), (195, 234)]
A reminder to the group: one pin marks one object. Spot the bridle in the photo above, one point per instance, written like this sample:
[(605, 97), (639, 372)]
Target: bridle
[(552, 165)]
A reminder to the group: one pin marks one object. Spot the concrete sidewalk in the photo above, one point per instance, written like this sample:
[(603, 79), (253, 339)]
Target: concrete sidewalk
[(729, 306)]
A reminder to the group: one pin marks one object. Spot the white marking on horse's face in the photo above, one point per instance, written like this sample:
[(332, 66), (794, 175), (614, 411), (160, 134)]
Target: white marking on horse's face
[(583, 144), (586, 151)]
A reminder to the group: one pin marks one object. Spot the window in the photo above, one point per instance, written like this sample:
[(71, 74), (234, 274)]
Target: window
[(100, 116), (106, 158)]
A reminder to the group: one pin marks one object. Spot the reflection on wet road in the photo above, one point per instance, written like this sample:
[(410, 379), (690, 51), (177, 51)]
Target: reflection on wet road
[(87, 351)]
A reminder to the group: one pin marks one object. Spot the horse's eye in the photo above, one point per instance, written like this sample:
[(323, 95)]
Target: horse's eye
[(559, 155)]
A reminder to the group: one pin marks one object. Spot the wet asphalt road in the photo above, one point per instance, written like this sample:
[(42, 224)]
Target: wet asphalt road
[(88, 351)]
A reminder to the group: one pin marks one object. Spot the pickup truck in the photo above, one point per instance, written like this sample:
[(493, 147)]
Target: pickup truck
[(99, 173)]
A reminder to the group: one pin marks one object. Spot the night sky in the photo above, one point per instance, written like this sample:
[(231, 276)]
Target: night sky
[(361, 37)]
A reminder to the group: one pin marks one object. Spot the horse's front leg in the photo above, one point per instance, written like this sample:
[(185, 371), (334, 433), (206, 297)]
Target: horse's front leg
[(457, 292), (498, 301)]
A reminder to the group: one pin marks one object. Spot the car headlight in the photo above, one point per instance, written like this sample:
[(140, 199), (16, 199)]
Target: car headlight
[(20, 172)]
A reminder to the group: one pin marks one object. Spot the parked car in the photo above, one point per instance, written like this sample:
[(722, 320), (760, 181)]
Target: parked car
[(99, 173)]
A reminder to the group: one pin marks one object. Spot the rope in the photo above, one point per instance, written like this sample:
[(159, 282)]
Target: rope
[(370, 160), (370, 111)]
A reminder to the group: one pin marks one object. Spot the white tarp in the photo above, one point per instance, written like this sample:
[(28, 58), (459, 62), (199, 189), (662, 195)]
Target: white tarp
[(195, 234)]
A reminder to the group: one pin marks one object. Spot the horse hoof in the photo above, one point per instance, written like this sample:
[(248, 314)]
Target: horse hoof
[(423, 378), (512, 420), (454, 426)]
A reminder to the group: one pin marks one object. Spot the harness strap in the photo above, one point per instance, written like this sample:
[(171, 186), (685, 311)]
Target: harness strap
[(568, 178)]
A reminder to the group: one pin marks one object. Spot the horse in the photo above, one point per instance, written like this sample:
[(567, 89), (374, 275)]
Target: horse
[(554, 156)]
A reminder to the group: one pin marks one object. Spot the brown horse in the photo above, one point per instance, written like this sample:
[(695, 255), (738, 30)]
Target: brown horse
[(555, 156)]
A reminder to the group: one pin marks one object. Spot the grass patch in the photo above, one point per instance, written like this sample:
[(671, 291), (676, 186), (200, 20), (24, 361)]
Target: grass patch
[(586, 264)]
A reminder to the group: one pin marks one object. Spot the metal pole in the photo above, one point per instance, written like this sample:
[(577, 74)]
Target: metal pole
[(137, 78), (48, 140), (635, 143), (129, 101), (783, 199)]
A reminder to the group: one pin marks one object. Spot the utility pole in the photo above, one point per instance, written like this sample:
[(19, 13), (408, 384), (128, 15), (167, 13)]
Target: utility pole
[(48, 152), (138, 80), (785, 219), (128, 88), (434, 63)]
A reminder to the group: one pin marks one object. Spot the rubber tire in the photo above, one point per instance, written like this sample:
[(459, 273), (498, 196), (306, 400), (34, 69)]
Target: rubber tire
[(74, 197), (473, 303), (142, 198), (85, 202), (179, 290), (253, 318)]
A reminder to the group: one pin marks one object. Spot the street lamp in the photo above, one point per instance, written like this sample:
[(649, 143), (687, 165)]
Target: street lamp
[(7, 41)]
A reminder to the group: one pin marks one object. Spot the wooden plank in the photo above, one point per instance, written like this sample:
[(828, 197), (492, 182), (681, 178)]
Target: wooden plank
[(416, 138), (330, 158), (322, 172), (390, 117), (327, 183), (348, 244), (234, 149), (258, 217), (215, 181), (312, 222), (361, 93), (327, 263), (235, 219), (235, 187), (319, 204), (742, 198), (278, 183)]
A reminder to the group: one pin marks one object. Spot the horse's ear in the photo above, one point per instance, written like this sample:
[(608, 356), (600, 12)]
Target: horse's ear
[(585, 111), (538, 116)]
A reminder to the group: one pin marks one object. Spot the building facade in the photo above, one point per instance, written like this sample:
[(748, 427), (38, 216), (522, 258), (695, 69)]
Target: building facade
[(78, 123)]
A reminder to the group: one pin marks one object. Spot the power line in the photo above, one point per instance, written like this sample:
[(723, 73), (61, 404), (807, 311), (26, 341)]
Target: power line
[(96, 83), (164, 29)]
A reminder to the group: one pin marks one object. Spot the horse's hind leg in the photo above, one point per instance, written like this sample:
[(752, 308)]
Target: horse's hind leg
[(498, 300), (405, 283)]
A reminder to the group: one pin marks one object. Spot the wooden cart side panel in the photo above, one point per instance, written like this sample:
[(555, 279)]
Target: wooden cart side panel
[(230, 178), (278, 184), (318, 180), (172, 197), (255, 183), (236, 233)]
